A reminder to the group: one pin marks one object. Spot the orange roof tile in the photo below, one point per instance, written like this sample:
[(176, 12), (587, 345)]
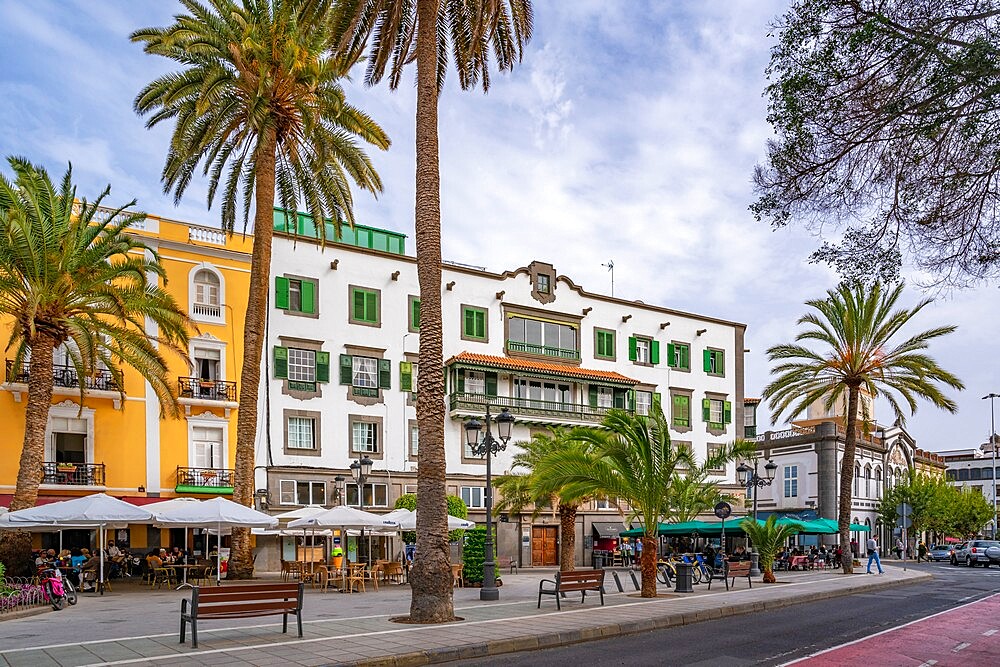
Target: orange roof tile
[(530, 365), (751, 400)]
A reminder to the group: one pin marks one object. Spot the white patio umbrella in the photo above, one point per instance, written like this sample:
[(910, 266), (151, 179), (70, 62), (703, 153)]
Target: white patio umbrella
[(407, 520), (346, 518), (216, 512), (95, 511), (300, 513), (174, 503)]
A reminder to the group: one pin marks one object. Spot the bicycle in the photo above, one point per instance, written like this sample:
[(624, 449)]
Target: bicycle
[(53, 591)]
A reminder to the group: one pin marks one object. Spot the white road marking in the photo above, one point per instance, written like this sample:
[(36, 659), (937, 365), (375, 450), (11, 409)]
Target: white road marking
[(883, 632), (963, 645), (989, 633), (929, 663)]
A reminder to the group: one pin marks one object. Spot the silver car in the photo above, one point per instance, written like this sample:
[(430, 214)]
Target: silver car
[(977, 552), (939, 552)]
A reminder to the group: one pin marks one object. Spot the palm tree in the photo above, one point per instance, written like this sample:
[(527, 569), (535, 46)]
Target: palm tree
[(691, 495), (854, 327), (767, 539), (426, 30), (632, 459), (81, 282), (517, 491), (258, 102)]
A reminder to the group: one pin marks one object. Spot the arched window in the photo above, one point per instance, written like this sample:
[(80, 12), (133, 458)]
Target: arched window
[(878, 481), (207, 294), (868, 481), (857, 480)]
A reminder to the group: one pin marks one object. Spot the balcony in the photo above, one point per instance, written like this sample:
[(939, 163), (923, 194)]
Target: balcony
[(524, 407), (206, 310), (72, 474), (204, 480), (542, 350), (206, 390), (67, 377)]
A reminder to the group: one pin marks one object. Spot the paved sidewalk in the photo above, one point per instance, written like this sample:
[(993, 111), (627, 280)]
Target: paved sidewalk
[(140, 627)]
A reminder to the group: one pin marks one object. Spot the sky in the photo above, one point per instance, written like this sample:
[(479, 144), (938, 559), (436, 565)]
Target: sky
[(628, 134)]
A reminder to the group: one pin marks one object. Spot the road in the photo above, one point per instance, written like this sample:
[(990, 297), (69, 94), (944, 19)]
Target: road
[(785, 635)]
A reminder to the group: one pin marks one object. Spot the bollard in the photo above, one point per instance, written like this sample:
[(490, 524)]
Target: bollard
[(684, 578), (635, 582), (618, 582), (598, 561)]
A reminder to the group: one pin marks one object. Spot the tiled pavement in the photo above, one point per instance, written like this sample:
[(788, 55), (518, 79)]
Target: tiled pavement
[(140, 628)]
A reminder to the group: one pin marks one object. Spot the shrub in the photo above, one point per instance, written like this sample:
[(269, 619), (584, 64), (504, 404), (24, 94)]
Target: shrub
[(456, 507)]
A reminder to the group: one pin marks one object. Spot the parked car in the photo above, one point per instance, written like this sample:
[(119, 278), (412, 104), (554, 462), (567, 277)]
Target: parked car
[(977, 552), (939, 552), (955, 548)]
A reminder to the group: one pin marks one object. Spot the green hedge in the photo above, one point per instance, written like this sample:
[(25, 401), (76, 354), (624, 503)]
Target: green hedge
[(473, 554), (456, 507)]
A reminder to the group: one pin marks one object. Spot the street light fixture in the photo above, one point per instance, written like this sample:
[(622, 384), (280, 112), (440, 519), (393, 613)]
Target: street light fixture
[(489, 447), (993, 445), (360, 470), (751, 478)]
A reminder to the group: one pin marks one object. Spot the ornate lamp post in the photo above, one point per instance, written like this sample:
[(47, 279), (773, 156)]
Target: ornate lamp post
[(993, 445), (750, 478), (360, 471), (489, 447)]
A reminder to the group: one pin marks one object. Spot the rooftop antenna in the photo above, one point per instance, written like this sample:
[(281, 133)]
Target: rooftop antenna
[(611, 268)]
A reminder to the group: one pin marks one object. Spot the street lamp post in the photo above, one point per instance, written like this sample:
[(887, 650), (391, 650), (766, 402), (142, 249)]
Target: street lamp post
[(751, 478), (489, 447), (993, 445), (359, 471)]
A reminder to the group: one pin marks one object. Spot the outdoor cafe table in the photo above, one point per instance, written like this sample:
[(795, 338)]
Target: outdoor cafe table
[(184, 569), (798, 561)]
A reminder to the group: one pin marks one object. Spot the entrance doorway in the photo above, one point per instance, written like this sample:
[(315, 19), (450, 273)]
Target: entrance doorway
[(544, 546)]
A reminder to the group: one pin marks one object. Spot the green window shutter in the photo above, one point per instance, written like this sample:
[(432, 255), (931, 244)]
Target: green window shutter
[(619, 398), (721, 365), (491, 384), (630, 399), (460, 380), (384, 374), (707, 358), (593, 396), (371, 307), (322, 366), (281, 363), (309, 297), (470, 323), (684, 357), (415, 314), (406, 376), (706, 410), (671, 355), (480, 324), (358, 304), (654, 352), (727, 412), (346, 369), (281, 293), (657, 401), (631, 348)]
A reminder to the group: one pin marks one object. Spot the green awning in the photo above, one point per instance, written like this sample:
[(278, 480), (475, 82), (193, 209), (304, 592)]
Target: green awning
[(689, 528)]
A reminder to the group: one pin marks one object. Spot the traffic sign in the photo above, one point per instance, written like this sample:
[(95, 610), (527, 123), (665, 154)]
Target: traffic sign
[(723, 510), (904, 522), (904, 509)]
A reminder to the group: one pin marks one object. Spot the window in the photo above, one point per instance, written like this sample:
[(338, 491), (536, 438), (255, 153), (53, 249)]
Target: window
[(414, 314), (681, 415), (375, 495), (301, 433), (791, 481), (716, 413), (365, 306), (408, 376), (878, 482), (605, 397), (643, 402), (295, 295), (534, 336), (474, 323), (604, 504), (679, 356), (750, 421), (366, 375), (475, 382), (474, 496), (302, 368), (410, 489), (542, 284), (643, 350), (715, 362), (857, 480), (301, 492), (207, 449), (364, 372), (414, 439), (301, 365), (206, 294), (364, 437), (868, 481), (604, 344), (713, 449)]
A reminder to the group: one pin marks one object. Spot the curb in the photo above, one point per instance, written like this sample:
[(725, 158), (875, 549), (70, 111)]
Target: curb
[(25, 613), (554, 639)]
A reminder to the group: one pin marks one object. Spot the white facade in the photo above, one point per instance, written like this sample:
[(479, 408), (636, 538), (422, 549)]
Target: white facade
[(340, 329)]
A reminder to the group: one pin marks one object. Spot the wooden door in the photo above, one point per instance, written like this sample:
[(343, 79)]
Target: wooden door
[(544, 545)]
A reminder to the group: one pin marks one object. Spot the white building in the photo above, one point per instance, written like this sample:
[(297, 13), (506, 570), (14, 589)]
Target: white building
[(976, 468), (341, 367)]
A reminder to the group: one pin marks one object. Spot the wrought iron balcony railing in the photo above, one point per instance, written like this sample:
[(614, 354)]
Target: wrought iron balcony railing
[(66, 376), (75, 474), (204, 480), (529, 406), (209, 390)]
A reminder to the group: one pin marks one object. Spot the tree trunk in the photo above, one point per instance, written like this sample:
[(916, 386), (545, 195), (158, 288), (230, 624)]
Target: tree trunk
[(431, 600), (846, 480), (241, 552), (567, 542), (769, 576), (15, 546), (647, 563)]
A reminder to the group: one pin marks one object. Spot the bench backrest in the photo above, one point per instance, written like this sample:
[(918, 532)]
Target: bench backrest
[(582, 580), (504, 561), (738, 569), (246, 597)]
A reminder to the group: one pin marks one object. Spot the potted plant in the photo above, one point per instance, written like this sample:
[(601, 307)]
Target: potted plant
[(337, 557), (767, 539)]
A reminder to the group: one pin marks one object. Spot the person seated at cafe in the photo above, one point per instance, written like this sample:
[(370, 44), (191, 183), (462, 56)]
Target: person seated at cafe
[(88, 571), (739, 554), (114, 553)]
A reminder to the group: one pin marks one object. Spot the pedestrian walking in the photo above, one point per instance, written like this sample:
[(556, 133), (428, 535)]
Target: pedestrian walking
[(873, 555), (899, 549), (921, 551)]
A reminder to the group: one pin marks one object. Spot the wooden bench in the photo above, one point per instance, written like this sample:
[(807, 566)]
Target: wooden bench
[(733, 569), (241, 602), (506, 562), (581, 580)]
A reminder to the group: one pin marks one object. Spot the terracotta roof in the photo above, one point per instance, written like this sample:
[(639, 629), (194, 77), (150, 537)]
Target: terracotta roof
[(532, 366), (751, 400)]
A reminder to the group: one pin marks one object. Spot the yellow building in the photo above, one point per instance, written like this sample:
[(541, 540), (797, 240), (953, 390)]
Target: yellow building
[(124, 447)]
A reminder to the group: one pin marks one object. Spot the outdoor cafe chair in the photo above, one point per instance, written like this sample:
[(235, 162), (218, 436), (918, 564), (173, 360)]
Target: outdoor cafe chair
[(356, 576), (456, 574)]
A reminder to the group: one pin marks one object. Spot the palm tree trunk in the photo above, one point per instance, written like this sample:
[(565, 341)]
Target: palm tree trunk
[(241, 552), (769, 576), (647, 564), (846, 479), (15, 546), (567, 542), (431, 600)]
